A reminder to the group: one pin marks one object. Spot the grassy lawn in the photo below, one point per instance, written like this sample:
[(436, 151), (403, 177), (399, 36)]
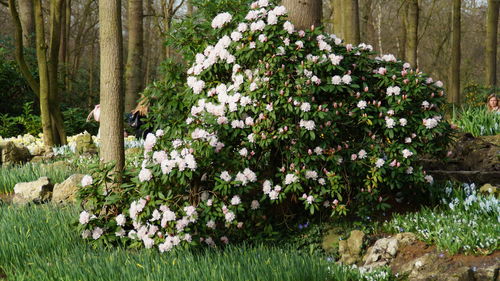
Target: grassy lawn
[(39, 243)]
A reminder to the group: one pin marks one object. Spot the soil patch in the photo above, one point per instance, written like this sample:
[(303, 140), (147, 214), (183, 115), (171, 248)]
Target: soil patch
[(6, 198), (419, 248)]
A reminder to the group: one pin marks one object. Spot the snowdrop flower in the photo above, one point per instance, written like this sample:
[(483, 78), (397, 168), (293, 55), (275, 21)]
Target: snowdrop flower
[(291, 178), (380, 162), (120, 220), (305, 107), (145, 175), (87, 180), (97, 232), (221, 19), (362, 104), (406, 153), (235, 200), (84, 217)]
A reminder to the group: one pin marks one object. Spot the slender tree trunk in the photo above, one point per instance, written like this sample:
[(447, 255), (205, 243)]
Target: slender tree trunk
[(27, 16), (53, 63), (404, 33), (379, 28), (351, 16), (91, 75), (147, 43), (111, 88), (454, 92), (134, 70), (35, 87), (412, 32), (43, 73), (67, 29), (304, 13), (491, 42), (337, 18)]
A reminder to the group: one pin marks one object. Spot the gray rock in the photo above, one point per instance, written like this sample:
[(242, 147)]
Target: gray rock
[(65, 192), (331, 240), (350, 249), (488, 274), (14, 154), (38, 191), (385, 249)]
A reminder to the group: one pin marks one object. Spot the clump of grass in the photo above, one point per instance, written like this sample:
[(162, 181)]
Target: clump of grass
[(39, 243), (476, 120), (9, 176), (465, 223)]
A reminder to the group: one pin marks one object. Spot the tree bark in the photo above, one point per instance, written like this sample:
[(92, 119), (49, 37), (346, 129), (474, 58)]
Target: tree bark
[(351, 19), (189, 7), (35, 87), (134, 69), (147, 42), (304, 13), (111, 88), (412, 32), (454, 91), (43, 73), (53, 63), (337, 18), (491, 42), (27, 16)]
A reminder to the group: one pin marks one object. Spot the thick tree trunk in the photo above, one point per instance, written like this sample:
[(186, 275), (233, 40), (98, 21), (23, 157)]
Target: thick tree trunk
[(491, 42), (454, 91), (337, 18), (304, 13), (43, 73), (351, 16), (412, 32), (134, 70), (27, 16), (111, 88)]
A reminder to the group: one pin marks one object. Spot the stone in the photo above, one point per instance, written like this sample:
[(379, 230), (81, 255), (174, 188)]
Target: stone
[(133, 151), (39, 191), (488, 189), (84, 144), (350, 249), (487, 274), (14, 154), (65, 192), (385, 249), (330, 242)]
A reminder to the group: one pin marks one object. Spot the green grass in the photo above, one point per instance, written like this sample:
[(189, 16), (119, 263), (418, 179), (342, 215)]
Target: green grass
[(39, 243), (476, 120), (468, 223), (9, 176)]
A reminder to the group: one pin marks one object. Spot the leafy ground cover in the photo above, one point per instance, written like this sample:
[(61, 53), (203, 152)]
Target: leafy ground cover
[(476, 120), (466, 222), (38, 242)]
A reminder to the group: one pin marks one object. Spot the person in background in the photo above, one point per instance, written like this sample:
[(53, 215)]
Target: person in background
[(492, 103), (96, 113), (137, 117)]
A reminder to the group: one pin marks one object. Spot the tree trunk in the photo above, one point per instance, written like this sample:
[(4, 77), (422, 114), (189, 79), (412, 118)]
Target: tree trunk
[(404, 31), (43, 73), (147, 42), (351, 27), (21, 62), (454, 91), (27, 16), (412, 32), (53, 63), (134, 70), (491, 42), (111, 88), (190, 7), (337, 18), (304, 13)]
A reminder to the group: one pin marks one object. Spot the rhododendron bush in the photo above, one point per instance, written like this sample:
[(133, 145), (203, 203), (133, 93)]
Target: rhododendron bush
[(283, 123)]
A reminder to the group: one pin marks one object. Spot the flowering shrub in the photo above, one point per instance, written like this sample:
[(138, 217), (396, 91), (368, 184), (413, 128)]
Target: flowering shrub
[(281, 121)]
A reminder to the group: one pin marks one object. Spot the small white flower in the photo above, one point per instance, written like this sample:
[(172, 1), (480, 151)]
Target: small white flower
[(429, 179), (362, 104), (336, 80), (225, 176), (243, 152), (406, 153), (305, 107), (221, 19), (255, 205), (403, 122), (347, 79), (84, 217), (97, 232), (235, 200), (145, 175), (380, 162), (362, 154), (120, 220), (87, 180), (290, 178)]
